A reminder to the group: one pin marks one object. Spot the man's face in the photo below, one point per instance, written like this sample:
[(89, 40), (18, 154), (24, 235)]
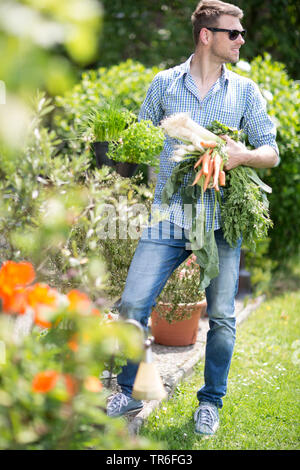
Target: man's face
[(222, 48)]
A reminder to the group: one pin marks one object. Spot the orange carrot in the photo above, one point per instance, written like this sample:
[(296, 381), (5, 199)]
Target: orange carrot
[(208, 145), (198, 176), (198, 162), (209, 174), (222, 178), (217, 164)]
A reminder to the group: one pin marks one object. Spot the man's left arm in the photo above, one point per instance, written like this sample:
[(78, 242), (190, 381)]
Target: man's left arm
[(261, 157), (261, 133)]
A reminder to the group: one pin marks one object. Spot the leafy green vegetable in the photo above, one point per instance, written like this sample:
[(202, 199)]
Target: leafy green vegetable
[(106, 122), (175, 181), (245, 209), (141, 142)]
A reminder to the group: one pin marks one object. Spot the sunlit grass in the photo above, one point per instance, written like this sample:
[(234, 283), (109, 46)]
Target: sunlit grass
[(261, 408)]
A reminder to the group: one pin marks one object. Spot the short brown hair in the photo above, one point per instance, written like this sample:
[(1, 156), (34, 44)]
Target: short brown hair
[(208, 12)]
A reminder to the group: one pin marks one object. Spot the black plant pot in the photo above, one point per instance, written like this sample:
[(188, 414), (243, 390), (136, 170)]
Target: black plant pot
[(122, 168), (101, 150), (126, 169)]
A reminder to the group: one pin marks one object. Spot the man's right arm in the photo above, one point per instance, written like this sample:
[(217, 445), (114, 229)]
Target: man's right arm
[(152, 106)]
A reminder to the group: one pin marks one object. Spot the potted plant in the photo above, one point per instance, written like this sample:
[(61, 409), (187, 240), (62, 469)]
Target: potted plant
[(140, 143), (104, 126), (175, 318)]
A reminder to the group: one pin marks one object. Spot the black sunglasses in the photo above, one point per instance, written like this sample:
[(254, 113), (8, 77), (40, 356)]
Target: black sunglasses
[(232, 33)]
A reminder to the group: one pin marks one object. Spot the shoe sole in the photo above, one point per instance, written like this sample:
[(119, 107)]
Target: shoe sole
[(129, 412), (207, 435)]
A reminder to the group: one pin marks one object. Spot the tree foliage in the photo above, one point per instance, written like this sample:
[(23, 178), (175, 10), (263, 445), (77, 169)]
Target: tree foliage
[(160, 32)]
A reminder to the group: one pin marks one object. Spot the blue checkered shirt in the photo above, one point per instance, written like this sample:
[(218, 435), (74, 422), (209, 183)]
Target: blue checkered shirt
[(233, 100)]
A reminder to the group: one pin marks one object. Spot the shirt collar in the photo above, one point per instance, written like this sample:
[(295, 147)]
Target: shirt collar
[(185, 68)]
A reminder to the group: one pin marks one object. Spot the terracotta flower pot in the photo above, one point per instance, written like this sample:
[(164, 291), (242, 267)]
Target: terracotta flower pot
[(177, 333)]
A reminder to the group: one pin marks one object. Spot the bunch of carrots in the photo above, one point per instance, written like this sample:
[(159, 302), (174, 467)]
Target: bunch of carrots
[(211, 171), (207, 147)]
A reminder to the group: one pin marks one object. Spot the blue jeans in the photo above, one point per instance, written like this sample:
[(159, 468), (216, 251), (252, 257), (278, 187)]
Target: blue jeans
[(159, 252)]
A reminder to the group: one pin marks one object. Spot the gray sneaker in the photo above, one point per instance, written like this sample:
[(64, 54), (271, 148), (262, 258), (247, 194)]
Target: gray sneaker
[(121, 404), (206, 418)]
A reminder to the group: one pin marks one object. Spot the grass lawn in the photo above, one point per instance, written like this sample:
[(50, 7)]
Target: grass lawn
[(262, 407)]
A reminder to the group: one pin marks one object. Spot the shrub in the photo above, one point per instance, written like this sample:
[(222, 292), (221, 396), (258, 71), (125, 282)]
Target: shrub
[(282, 96), (126, 82)]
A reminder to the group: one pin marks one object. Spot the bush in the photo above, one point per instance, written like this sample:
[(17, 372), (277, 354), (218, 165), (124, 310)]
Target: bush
[(282, 96), (126, 82)]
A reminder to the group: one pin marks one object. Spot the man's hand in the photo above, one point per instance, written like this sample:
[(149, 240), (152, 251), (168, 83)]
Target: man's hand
[(236, 152), (262, 157)]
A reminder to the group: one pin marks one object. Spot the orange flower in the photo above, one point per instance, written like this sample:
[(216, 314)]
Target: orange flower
[(93, 384), (15, 301), (80, 302), (43, 300), (39, 320), (41, 294), (45, 381), (14, 274), (13, 279)]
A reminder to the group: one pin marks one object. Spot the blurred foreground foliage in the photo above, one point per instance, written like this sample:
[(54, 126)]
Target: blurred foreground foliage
[(55, 212), (44, 43)]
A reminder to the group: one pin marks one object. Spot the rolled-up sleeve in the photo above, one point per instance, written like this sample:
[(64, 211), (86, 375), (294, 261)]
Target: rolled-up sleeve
[(151, 108), (257, 124)]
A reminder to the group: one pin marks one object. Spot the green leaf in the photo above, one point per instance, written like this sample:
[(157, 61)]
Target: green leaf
[(210, 269), (253, 175)]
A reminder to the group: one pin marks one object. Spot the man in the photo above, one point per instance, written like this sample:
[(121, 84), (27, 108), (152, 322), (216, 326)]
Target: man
[(203, 87)]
